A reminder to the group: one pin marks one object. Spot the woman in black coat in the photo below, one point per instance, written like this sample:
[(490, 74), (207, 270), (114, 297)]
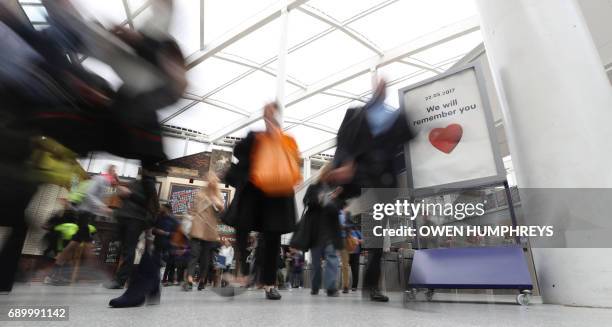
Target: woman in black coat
[(323, 214), (254, 210)]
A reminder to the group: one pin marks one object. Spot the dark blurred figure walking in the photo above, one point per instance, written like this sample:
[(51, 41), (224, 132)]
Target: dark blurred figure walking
[(137, 214), (368, 140), (266, 160), (321, 201)]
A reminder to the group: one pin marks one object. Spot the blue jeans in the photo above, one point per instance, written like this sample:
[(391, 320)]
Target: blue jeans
[(328, 253)]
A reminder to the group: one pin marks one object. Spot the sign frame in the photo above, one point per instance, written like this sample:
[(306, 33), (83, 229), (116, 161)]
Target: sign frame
[(499, 177)]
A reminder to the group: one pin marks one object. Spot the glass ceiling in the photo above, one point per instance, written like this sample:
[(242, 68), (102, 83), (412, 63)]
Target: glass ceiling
[(330, 46)]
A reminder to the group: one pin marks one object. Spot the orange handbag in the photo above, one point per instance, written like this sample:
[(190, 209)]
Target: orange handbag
[(274, 164)]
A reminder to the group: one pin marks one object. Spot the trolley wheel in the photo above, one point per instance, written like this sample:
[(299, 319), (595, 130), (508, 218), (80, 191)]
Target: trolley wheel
[(523, 298), (409, 295), (429, 294)]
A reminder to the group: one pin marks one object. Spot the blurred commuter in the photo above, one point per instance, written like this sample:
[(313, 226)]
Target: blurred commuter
[(297, 269), (227, 251), (344, 215), (165, 226), (204, 237), (368, 140), (89, 201), (55, 96), (264, 177), (45, 91), (354, 255), (138, 214), (321, 212)]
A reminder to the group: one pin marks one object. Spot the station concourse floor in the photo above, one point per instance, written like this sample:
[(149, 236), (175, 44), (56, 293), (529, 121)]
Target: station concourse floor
[(88, 308)]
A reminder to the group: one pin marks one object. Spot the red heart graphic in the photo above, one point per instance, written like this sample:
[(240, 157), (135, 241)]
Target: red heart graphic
[(446, 139)]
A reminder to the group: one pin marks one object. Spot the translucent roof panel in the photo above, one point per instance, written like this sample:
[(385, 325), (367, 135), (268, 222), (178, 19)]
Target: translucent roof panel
[(307, 137), (259, 45), (311, 105), (221, 16), (331, 53), (406, 20), (107, 12), (204, 118), (252, 92), (334, 117), (342, 10), (357, 85), (169, 110), (185, 25), (211, 74), (302, 27), (396, 70), (454, 48)]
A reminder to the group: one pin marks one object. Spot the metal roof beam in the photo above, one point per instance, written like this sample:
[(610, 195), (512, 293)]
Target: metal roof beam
[(420, 64), (241, 31), (253, 65), (312, 12), (324, 146)]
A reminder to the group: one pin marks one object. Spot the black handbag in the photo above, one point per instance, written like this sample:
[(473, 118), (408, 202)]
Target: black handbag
[(302, 236), (231, 216)]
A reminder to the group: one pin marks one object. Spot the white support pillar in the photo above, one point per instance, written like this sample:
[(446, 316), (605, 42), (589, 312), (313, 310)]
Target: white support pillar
[(307, 168), (556, 102), (186, 148), (281, 74)]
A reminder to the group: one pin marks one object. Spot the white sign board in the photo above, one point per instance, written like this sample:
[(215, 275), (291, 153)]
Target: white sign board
[(453, 142)]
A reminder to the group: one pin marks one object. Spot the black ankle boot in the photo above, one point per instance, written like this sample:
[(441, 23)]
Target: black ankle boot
[(153, 298), (144, 285)]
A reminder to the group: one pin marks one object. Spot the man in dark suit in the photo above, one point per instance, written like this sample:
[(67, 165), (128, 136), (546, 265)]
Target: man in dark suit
[(369, 138)]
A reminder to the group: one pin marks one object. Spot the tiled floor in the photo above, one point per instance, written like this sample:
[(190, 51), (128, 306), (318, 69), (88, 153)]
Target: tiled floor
[(88, 308)]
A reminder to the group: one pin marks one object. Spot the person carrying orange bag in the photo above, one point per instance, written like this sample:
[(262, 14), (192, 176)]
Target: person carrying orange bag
[(264, 177), (275, 162)]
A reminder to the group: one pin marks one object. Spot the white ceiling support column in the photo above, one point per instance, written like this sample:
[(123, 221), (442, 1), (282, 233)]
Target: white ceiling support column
[(128, 13), (202, 12), (307, 169), (241, 31), (186, 148), (281, 75)]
